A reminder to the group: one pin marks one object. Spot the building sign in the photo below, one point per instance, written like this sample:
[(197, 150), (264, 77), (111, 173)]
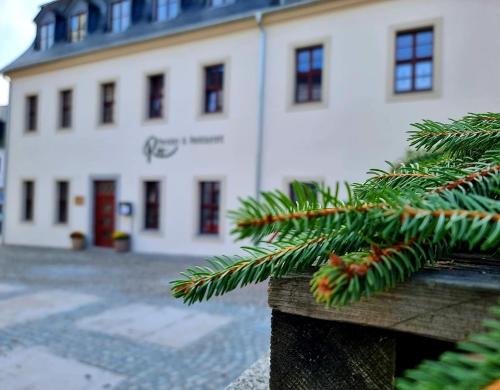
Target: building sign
[(79, 200), (163, 148)]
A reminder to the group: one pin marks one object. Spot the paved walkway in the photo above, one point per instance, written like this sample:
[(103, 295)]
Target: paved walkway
[(98, 320)]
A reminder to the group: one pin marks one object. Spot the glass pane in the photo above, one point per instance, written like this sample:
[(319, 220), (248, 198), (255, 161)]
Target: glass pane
[(302, 91), (161, 13), (404, 40), (303, 61), (403, 54), (424, 51), (125, 8), (316, 91), (424, 38), (423, 69), (318, 58), (404, 71), (403, 85), (115, 11), (173, 9), (422, 83)]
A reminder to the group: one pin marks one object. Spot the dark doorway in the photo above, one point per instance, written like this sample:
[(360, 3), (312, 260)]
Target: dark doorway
[(104, 213)]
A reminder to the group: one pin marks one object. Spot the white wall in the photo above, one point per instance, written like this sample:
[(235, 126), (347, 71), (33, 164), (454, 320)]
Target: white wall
[(357, 129)]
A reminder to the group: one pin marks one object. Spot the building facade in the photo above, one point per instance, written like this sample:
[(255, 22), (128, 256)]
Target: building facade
[(153, 117)]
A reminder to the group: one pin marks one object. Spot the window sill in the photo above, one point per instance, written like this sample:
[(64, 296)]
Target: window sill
[(306, 106), (154, 121), (412, 96), (107, 126), (216, 238), (204, 116)]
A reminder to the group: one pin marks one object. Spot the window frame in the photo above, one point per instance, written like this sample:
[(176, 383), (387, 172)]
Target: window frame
[(289, 180), (156, 4), (201, 206), (291, 104), (25, 218), (31, 115), (57, 202), (112, 19), (102, 103), (436, 92), (413, 61), (150, 96), (49, 43), (218, 88), (145, 203), (82, 30), (310, 74), (64, 110)]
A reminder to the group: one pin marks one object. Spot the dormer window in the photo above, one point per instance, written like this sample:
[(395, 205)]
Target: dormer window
[(78, 27), (166, 9), (47, 36), (120, 15), (219, 3)]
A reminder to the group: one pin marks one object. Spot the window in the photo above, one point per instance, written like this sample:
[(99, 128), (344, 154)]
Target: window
[(414, 61), (155, 99), (28, 200), (209, 207), (214, 89), (31, 113), (308, 74), (62, 202), (120, 15), (152, 205), (47, 36), (107, 103), (218, 3), (166, 9), (65, 106), (307, 187), (78, 27)]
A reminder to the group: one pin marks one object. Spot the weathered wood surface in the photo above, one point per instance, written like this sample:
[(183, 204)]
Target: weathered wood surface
[(445, 302), (307, 354)]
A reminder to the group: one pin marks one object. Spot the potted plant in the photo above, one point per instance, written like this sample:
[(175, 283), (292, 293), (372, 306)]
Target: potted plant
[(121, 241), (77, 241)]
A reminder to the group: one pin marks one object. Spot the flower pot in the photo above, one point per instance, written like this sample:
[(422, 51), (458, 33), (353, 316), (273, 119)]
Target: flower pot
[(122, 246), (78, 244)]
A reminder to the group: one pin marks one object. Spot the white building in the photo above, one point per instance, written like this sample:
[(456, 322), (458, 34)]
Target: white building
[(177, 108)]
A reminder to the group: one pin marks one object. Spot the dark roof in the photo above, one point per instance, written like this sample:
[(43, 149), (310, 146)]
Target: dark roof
[(194, 15)]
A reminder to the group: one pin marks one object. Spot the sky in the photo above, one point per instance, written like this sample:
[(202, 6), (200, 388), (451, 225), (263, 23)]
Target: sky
[(17, 32)]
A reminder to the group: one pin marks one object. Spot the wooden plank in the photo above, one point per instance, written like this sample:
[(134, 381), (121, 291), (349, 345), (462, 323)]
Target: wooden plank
[(308, 353), (446, 302)]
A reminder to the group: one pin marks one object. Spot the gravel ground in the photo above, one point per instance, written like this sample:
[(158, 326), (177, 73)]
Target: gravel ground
[(212, 362)]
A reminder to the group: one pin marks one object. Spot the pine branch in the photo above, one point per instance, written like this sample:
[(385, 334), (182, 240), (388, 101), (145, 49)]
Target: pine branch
[(458, 138), (349, 278), (475, 366), (226, 274)]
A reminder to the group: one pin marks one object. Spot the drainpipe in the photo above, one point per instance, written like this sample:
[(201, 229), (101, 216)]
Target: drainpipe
[(6, 159), (261, 103)]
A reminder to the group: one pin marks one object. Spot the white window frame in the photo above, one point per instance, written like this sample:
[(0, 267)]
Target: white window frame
[(436, 91), (47, 35), (124, 21), (167, 4)]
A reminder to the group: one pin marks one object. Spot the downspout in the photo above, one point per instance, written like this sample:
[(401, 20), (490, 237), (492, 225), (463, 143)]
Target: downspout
[(6, 157), (261, 103)]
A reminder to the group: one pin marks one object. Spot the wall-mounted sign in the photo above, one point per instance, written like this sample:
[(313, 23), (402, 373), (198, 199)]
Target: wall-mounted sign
[(155, 147), (125, 209), (79, 200)]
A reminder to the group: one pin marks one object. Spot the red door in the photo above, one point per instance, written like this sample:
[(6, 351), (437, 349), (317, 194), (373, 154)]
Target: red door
[(104, 213)]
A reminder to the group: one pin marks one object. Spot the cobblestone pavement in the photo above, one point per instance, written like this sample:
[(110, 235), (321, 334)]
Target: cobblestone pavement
[(98, 320)]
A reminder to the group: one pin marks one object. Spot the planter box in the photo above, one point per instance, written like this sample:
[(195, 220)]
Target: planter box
[(78, 244), (365, 345), (121, 246)]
